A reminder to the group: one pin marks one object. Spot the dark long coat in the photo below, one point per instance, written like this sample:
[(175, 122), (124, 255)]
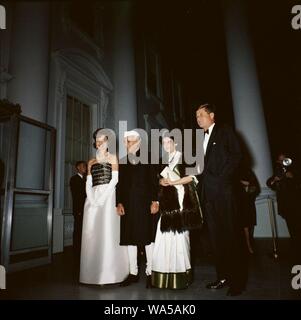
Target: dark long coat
[(137, 188)]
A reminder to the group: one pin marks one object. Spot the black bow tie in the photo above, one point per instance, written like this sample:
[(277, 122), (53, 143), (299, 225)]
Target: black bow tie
[(206, 132)]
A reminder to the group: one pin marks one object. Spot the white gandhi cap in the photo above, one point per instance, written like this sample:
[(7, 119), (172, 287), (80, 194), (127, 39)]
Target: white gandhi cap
[(131, 133)]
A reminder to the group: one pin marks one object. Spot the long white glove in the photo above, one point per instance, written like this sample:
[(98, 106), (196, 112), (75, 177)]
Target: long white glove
[(96, 199), (89, 189), (110, 187)]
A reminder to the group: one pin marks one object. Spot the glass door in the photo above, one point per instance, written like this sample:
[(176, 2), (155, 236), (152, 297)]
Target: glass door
[(26, 237)]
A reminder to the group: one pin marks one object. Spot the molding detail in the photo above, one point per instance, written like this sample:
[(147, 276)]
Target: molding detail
[(70, 29), (75, 73)]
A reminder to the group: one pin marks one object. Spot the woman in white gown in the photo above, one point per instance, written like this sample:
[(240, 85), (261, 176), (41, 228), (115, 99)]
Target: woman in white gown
[(179, 212), (103, 260)]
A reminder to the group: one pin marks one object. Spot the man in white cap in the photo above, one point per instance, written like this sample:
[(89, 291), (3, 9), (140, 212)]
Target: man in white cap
[(136, 200)]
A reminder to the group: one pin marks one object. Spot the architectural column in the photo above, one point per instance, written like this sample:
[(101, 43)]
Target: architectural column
[(247, 105), (5, 35), (123, 65), (28, 66), (29, 58)]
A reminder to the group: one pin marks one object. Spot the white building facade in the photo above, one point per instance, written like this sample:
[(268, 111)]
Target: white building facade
[(77, 68)]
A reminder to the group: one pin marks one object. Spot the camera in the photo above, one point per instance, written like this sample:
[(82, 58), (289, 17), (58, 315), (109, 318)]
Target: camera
[(282, 168), (287, 162)]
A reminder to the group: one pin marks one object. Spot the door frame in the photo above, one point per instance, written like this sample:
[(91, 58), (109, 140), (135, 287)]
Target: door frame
[(11, 190)]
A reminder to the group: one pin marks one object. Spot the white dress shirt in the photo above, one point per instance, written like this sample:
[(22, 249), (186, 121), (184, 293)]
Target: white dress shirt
[(207, 137), (80, 175)]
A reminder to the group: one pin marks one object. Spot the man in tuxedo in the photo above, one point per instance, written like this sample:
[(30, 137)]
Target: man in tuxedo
[(217, 184), (78, 191)]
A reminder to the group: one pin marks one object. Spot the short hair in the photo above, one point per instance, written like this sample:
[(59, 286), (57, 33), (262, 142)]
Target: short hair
[(167, 134), (79, 162), (95, 135), (209, 107)]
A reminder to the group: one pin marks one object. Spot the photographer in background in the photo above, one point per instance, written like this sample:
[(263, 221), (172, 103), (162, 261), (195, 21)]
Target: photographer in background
[(287, 187)]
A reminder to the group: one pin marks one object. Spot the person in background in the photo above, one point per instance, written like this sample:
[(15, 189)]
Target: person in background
[(248, 190), (287, 187), (78, 191)]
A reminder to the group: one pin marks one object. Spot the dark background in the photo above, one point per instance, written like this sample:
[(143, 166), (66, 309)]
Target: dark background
[(191, 38)]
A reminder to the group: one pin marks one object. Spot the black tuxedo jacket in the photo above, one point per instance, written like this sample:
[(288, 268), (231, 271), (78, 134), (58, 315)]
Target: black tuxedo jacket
[(78, 190), (219, 179), (222, 159)]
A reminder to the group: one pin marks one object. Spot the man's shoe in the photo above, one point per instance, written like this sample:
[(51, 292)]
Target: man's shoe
[(234, 292), (219, 284), (129, 280), (149, 282)]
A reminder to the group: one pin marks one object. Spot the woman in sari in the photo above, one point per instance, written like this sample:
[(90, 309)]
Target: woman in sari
[(179, 212)]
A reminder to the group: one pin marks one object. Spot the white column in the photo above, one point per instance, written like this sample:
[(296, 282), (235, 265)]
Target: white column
[(5, 36), (29, 58), (247, 104), (28, 65), (124, 96)]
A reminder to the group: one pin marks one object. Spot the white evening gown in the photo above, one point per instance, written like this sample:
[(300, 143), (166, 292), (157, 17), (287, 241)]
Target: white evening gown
[(103, 260)]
